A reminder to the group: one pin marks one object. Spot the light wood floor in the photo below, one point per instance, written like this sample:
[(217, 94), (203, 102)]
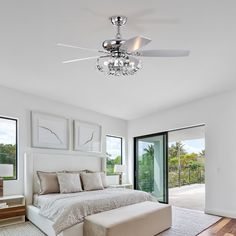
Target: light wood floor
[(224, 227)]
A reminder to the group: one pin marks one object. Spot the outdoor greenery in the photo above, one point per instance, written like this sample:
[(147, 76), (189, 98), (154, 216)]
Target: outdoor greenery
[(146, 170), (8, 156), (184, 168), (111, 163)]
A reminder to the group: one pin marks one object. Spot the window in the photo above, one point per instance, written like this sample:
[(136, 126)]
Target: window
[(113, 152), (8, 144)]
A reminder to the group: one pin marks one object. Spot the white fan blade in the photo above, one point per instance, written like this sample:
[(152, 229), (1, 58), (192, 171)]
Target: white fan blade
[(82, 48), (134, 44), (134, 59), (142, 13), (163, 53), (79, 59)]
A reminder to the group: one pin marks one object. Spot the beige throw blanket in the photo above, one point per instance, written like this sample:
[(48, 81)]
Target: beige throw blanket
[(66, 210)]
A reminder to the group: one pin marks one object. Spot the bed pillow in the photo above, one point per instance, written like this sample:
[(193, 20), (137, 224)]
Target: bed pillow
[(48, 182), (69, 182), (91, 181), (103, 177)]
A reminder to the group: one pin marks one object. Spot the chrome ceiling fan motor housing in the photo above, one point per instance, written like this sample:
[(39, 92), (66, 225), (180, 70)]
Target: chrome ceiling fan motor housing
[(112, 44)]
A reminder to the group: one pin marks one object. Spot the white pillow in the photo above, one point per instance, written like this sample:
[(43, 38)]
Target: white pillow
[(92, 181), (103, 177), (69, 182)]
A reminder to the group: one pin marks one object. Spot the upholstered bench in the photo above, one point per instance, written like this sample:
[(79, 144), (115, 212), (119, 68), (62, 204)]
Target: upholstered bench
[(141, 219)]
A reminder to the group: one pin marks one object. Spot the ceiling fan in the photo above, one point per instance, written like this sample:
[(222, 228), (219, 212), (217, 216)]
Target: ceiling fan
[(120, 56)]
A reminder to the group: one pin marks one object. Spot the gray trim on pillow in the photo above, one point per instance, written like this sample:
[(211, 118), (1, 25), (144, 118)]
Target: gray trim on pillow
[(91, 181)]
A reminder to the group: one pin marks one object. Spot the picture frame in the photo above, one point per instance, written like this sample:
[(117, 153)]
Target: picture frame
[(87, 136), (49, 131)]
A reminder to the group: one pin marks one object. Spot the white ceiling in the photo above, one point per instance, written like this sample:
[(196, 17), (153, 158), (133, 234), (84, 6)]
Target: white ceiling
[(30, 61)]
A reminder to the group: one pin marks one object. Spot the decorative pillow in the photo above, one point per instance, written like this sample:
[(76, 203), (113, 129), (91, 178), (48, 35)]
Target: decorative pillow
[(48, 182), (91, 181), (69, 182), (103, 177)]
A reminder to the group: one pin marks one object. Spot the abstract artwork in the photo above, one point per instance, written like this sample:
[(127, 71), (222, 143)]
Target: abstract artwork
[(49, 131), (87, 136)]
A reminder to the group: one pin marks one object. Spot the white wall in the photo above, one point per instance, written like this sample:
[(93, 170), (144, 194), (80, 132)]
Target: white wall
[(18, 105), (219, 115)]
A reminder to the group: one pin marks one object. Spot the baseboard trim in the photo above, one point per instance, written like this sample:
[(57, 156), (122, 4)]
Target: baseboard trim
[(229, 214)]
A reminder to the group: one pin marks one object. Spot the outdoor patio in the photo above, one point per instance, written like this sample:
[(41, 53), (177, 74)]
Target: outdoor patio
[(189, 196)]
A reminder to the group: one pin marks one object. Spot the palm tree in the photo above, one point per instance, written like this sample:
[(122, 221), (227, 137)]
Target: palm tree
[(176, 149), (202, 153), (150, 150)]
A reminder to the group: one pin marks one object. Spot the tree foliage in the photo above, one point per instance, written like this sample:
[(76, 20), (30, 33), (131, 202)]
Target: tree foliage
[(8, 155), (188, 166), (185, 168), (146, 170), (111, 163)]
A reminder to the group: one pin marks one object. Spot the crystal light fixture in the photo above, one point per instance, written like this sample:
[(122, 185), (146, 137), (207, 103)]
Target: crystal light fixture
[(118, 65)]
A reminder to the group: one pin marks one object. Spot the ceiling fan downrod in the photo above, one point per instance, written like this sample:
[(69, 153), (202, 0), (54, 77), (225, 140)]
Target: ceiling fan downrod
[(118, 21)]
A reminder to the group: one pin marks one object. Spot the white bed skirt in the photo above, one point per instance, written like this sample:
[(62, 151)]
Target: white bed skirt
[(46, 225)]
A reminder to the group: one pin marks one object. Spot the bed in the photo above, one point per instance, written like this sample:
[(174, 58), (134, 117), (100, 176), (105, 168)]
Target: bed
[(63, 214)]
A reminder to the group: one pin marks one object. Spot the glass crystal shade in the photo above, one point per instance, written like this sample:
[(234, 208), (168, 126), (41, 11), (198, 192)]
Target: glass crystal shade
[(118, 65)]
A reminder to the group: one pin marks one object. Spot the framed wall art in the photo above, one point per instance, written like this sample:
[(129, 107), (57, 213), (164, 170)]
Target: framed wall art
[(87, 136), (49, 131)]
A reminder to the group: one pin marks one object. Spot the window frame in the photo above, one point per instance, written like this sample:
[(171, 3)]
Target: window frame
[(121, 149), (16, 120)]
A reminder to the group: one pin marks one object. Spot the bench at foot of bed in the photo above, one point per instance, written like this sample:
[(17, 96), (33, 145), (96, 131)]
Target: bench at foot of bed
[(145, 218)]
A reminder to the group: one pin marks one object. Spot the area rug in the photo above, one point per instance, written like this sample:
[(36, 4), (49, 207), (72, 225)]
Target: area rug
[(185, 223), (23, 229)]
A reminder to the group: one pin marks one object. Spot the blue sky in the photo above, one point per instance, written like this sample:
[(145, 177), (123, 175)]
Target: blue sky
[(190, 146), (194, 145), (7, 131), (113, 146)]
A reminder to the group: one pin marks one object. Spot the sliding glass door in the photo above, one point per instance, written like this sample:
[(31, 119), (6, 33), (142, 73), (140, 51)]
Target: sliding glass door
[(150, 165)]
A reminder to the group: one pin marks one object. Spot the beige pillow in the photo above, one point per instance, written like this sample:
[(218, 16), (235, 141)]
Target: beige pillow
[(103, 177), (48, 182), (91, 181), (69, 182)]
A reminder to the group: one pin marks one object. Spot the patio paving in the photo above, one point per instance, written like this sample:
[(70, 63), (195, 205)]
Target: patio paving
[(189, 196)]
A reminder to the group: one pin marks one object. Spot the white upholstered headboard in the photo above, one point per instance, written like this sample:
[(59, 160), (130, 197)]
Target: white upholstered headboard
[(34, 161)]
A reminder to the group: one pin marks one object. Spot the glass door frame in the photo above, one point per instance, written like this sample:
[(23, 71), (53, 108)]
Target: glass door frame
[(165, 162)]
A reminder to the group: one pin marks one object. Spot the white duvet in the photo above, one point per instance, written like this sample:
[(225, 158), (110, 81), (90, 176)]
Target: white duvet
[(66, 210)]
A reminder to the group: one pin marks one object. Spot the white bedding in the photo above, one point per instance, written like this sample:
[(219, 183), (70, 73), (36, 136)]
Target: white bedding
[(40, 200), (66, 210)]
